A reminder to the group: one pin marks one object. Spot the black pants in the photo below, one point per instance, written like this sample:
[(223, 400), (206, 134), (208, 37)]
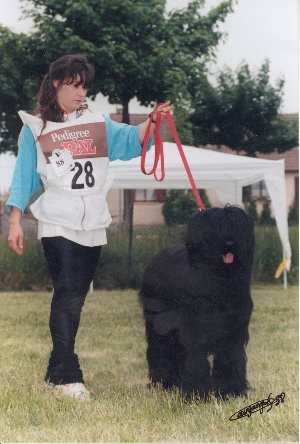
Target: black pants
[(72, 267)]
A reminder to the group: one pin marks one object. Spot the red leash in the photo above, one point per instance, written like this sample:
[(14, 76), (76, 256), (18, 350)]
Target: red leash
[(159, 155)]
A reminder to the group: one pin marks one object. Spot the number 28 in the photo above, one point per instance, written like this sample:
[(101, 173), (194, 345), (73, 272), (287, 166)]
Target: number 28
[(89, 178)]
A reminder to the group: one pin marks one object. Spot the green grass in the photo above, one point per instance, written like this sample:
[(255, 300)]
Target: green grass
[(112, 350)]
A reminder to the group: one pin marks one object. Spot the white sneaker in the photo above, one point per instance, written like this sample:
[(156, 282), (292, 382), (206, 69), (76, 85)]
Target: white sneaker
[(74, 390), (49, 385)]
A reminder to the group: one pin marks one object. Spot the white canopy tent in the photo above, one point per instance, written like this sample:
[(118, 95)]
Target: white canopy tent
[(227, 174)]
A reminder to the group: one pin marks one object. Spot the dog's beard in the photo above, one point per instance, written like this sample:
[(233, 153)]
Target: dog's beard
[(214, 249)]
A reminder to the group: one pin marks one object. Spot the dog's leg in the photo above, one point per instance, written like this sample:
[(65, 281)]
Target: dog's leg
[(195, 380), (162, 355), (229, 372)]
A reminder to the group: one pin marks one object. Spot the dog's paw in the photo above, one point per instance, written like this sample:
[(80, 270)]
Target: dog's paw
[(227, 395), (196, 397)]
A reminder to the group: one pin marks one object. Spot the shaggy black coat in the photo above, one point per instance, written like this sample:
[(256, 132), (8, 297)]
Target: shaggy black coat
[(197, 306)]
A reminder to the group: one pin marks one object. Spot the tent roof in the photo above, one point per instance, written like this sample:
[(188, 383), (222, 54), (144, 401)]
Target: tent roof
[(207, 166)]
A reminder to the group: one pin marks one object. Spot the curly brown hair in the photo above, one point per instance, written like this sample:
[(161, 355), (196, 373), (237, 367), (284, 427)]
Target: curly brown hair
[(64, 69)]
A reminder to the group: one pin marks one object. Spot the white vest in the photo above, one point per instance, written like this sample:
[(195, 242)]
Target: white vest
[(75, 199)]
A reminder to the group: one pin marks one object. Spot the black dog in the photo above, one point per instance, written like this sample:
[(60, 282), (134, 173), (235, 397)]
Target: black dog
[(197, 306)]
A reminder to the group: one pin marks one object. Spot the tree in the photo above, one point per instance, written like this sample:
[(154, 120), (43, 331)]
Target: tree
[(15, 91), (138, 49), (183, 123), (242, 112)]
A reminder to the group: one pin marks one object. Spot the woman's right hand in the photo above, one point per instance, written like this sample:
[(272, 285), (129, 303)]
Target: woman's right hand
[(16, 238)]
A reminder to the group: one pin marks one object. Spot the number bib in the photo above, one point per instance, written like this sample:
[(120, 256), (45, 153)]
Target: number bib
[(72, 161), (86, 144)]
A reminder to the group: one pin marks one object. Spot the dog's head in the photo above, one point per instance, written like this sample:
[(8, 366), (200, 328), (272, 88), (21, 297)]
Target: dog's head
[(221, 236)]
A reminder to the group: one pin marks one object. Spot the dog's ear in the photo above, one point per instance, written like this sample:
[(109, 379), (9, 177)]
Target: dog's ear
[(153, 305), (193, 253), (194, 236), (166, 321)]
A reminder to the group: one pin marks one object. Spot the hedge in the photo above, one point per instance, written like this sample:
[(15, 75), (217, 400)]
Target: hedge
[(29, 272)]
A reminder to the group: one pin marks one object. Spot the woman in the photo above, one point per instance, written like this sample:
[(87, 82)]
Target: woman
[(66, 148)]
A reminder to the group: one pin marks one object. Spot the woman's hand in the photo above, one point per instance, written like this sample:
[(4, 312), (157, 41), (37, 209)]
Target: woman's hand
[(15, 234), (16, 238), (163, 108)]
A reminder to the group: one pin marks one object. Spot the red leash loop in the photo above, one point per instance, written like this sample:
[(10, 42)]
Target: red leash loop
[(159, 155)]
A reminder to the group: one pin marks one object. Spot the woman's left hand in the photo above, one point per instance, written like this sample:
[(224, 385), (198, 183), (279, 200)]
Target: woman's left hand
[(163, 108)]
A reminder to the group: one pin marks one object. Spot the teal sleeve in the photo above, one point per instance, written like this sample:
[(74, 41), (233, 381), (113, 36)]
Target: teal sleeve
[(123, 140), (26, 181)]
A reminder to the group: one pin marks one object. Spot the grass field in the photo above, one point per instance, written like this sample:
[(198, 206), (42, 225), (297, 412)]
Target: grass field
[(112, 350)]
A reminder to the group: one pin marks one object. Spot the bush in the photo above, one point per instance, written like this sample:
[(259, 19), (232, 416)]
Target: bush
[(251, 210), (293, 217), (26, 272), (265, 217), (112, 271), (268, 254), (29, 272), (179, 206)]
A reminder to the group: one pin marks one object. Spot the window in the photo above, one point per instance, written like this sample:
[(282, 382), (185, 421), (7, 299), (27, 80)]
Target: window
[(149, 195), (259, 191)]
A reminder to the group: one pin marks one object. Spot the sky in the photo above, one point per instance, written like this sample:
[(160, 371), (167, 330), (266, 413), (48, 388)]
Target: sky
[(258, 29)]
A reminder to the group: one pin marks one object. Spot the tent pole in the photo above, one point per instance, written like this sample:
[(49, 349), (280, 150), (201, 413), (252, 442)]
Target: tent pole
[(130, 234), (284, 276), (285, 279)]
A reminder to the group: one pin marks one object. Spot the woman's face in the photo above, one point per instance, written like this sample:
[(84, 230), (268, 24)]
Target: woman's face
[(70, 95)]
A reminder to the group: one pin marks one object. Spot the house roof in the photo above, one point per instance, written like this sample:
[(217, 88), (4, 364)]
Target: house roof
[(291, 158)]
